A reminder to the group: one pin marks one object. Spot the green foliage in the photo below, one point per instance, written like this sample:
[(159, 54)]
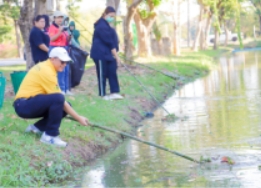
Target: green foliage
[(9, 12), (156, 31), (222, 10), (257, 4), (4, 29), (238, 26), (73, 9), (146, 8)]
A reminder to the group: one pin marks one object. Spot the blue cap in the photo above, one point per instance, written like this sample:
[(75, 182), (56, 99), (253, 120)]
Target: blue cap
[(109, 9)]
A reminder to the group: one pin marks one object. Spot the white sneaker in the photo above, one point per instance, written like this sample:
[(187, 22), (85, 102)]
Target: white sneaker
[(107, 98), (63, 92), (116, 96), (33, 129), (53, 140), (69, 93)]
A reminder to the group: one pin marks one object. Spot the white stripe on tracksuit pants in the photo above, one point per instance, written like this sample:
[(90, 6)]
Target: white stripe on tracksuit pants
[(107, 70), (101, 78)]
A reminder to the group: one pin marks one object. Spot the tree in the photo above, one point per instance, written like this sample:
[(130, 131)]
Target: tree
[(40, 7), (200, 26), (257, 5), (10, 9), (5, 28), (73, 9), (114, 3), (131, 10), (207, 29), (219, 11), (25, 23), (144, 18), (176, 24), (225, 10)]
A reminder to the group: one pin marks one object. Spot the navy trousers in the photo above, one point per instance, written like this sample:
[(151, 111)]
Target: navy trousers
[(107, 70), (48, 107)]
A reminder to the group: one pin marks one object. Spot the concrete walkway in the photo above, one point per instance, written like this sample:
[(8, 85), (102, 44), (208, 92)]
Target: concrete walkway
[(12, 62)]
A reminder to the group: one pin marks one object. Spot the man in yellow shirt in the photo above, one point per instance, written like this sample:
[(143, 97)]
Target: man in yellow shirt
[(39, 96)]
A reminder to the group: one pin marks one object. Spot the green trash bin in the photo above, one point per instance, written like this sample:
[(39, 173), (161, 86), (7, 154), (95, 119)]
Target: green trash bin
[(2, 89), (17, 78)]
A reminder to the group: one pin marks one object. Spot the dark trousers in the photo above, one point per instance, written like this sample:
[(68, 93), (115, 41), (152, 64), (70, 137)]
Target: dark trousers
[(107, 70), (48, 107)]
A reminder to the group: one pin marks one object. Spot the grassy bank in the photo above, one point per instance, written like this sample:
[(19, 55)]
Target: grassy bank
[(25, 161)]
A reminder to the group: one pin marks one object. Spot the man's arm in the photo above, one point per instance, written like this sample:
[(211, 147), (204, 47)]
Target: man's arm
[(69, 110), (54, 37)]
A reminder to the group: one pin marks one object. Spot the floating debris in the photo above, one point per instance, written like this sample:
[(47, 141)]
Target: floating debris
[(170, 118), (228, 160), (205, 159)]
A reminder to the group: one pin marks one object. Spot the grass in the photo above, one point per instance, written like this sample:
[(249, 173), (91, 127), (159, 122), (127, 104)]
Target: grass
[(25, 161)]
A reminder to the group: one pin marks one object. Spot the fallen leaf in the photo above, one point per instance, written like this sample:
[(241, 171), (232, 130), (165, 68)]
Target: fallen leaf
[(49, 164)]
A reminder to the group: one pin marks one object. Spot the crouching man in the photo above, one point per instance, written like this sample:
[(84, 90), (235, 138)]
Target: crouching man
[(39, 96)]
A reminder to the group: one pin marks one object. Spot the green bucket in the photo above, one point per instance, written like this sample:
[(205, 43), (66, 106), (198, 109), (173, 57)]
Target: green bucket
[(17, 78), (2, 89)]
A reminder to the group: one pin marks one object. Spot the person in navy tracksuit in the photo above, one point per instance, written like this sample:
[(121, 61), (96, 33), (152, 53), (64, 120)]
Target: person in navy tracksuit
[(104, 49)]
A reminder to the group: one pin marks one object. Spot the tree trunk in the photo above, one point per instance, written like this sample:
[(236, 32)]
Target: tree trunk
[(18, 39), (176, 37), (254, 32), (127, 29), (40, 7), (25, 23), (201, 40), (143, 37), (144, 27), (227, 37), (114, 3), (51, 6), (207, 30), (188, 25), (196, 41), (260, 24), (216, 40), (128, 47)]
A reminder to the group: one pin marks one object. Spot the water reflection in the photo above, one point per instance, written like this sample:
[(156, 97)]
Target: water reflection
[(219, 116)]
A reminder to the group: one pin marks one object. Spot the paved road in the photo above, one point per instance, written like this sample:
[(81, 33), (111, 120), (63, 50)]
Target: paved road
[(11, 62)]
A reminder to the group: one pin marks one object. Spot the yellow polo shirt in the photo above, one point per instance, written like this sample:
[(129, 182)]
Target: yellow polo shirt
[(40, 79)]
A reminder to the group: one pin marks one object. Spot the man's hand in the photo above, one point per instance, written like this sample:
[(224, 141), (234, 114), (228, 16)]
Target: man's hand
[(118, 60), (61, 28), (83, 121)]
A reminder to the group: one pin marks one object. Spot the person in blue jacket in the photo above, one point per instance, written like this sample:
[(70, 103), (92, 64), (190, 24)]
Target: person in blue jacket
[(104, 49)]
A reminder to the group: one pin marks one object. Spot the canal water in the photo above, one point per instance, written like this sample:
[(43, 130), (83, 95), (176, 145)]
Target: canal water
[(219, 116)]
